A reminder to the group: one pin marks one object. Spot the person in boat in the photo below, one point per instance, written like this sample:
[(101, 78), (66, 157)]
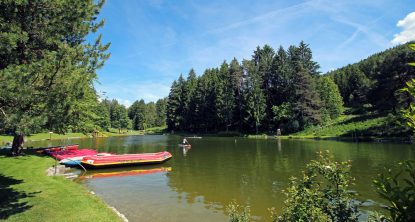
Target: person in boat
[(185, 142)]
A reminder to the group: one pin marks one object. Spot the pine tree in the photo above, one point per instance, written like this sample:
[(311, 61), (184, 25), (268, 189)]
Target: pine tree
[(330, 96), (237, 79), (175, 105), (306, 101), (226, 98), (47, 68), (161, 112), (255, 98), (189, 104), (137, 113), (150, 115)]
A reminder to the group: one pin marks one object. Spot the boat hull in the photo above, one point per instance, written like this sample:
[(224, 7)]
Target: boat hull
[(72, 163), (125, 160)]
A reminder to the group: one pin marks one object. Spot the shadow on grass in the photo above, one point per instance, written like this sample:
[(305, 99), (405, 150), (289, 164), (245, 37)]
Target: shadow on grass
[(361, 118), (386, 129), (26, 152), (10, 199)]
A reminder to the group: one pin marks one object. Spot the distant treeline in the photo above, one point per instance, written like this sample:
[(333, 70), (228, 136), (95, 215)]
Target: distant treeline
[(284, 90), (139, 116), (275, 89)]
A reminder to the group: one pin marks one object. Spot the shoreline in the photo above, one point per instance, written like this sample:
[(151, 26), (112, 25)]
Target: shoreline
[(374, 139), (33, 196)]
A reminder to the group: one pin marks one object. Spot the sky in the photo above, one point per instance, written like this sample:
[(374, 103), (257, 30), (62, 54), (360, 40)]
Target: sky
[(154, 41)]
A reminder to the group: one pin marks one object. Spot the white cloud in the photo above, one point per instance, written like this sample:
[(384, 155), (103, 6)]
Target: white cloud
[(408, 32), (125, 102)]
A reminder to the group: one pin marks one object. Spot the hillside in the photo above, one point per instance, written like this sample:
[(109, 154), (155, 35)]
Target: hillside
[(371, 92), (373, 84)]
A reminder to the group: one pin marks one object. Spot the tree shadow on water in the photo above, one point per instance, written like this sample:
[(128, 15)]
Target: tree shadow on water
[(10, 199)]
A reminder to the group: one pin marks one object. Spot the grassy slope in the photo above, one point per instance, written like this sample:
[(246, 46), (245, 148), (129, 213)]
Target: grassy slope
[(24, 184), (355, 125)]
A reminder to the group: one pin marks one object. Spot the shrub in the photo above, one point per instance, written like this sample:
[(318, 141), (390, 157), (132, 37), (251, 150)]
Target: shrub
[(322, 194), (238, 213), (397, 186)]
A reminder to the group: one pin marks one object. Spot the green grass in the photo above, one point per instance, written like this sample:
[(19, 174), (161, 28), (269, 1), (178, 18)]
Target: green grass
[(27, 194), (156, 130), (116, 132), (355, 126)]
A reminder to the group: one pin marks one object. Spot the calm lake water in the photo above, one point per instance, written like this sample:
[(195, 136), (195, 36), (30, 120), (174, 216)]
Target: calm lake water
[(197, 184)]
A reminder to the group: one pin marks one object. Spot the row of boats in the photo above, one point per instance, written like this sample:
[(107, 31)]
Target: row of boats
[(72, 156)]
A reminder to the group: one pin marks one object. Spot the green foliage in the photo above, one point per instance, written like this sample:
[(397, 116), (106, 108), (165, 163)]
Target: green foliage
[(255, 103), (322, 194), (307, 105), (47, 68), (225, 101), (397, 187), (377, 80), (238, 213), (330, 96), (282, 112), (409, 113), (241, 97), (161, 112), (358, 126), (137, 113)]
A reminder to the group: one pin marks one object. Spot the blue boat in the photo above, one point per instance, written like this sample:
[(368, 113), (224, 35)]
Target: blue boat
[(71, 162)]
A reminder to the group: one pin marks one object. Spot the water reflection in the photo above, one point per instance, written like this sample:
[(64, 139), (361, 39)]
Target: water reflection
[(185, 150), (108, 173)]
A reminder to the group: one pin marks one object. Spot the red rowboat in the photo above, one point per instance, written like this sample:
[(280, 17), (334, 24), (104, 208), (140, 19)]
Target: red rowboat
[(60, 155), (125, 159)]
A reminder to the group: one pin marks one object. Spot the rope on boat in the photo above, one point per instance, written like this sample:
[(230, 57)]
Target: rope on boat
[(77, 163)]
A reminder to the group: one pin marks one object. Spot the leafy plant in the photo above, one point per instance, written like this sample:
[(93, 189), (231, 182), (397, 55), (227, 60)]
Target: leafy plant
[(322, 194), (397, 186), (409, 112), (238, 213)]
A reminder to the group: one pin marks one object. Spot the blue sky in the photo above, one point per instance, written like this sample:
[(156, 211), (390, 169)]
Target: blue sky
[(154, 41)]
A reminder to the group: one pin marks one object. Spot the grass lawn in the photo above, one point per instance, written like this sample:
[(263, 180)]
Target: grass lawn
[(156, 130), (27, 194), (355, 126)]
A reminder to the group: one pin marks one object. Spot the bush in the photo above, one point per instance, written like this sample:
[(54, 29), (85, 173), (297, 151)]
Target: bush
[(397, 186), (322, 194), (238, 213)]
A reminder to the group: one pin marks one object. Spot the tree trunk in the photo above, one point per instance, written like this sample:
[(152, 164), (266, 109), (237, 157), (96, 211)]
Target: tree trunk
[(17, 145)]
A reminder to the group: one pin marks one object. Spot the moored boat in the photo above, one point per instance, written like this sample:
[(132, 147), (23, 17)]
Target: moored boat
[(74, 161), (125, 160), (64, 154)]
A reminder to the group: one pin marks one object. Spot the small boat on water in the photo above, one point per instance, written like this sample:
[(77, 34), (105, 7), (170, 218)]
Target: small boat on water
[(125, 160), (64, 154), (74, 161)]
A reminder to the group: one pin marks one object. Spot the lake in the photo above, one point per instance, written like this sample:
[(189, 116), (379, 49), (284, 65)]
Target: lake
[(198, 183)]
